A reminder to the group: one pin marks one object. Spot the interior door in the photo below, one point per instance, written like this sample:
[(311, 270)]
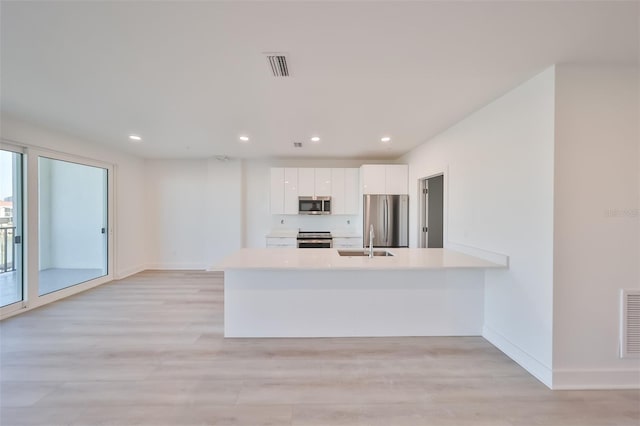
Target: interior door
[(435, 210)]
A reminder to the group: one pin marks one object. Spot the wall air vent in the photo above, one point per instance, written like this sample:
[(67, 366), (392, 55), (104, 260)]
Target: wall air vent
[(630, 324), (297, 144), (278, 64)]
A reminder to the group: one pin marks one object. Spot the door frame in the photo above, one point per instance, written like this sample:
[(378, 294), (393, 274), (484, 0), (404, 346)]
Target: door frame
[(422, 218), (19, 210), (30, 240), (33, 248)]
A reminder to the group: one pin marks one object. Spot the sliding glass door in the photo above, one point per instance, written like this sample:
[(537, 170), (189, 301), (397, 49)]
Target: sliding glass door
[(55, 226), (11, 288), (72, 224)]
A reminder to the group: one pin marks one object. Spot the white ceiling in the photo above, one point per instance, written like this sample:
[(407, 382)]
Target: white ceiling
[(189, 77)]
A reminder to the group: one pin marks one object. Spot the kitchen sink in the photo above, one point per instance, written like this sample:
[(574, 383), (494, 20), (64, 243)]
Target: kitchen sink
[(364, 253)]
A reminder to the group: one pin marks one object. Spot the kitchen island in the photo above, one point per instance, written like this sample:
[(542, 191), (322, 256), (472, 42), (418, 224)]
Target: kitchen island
[(318, 293)]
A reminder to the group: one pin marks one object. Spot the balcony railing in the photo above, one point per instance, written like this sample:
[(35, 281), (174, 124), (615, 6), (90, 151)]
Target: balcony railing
[(7, 248)]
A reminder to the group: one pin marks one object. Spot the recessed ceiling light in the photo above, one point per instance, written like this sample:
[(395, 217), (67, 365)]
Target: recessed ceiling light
[(315, 139), (135, 138), (385, 139), (244, 138)]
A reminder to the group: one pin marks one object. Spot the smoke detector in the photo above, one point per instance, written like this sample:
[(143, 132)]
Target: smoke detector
[(278, 63)]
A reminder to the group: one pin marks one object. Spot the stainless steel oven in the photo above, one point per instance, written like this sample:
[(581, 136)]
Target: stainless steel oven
[(315, 239)]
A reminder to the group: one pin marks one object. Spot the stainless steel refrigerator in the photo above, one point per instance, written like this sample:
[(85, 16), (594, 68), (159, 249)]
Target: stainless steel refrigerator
[(389, 215)]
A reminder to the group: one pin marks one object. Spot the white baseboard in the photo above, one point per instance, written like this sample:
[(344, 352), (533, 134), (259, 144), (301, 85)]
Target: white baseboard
[(566, 379), (526, 361), (177, 266), (489, 256), (129, 271)]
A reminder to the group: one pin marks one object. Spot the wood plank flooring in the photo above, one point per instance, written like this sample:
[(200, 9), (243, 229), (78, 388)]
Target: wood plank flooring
[(148, 350)]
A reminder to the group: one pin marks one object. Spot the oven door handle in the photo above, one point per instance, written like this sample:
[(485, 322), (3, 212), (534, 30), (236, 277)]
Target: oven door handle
[(314, 241)]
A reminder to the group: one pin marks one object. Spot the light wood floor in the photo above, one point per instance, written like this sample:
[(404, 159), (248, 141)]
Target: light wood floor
[(148, 350)]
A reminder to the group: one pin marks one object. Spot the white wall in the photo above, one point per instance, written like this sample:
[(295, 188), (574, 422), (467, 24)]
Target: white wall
[(597, 231), (129, 230), (195, 212), (224, 209), (176, 216), (498, 166)]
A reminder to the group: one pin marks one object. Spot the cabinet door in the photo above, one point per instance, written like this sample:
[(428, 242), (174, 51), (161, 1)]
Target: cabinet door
[(290, 191), (397, 178), (279, 242), (306, 182), (373, 178), (351, 191), (323, 182), (277, 190), (338, 201)]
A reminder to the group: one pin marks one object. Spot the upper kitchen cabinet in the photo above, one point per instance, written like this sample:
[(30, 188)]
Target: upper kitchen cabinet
[(397, 179), (342, 185), (323, 182), (385, 178), (284, 190), (306, 182), (314, 182), (344, 191)]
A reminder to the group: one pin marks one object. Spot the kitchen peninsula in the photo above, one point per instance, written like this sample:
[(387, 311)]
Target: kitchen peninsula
[(319, 293)]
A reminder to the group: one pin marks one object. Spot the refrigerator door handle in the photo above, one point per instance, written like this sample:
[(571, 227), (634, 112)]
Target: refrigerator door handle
[(386, 220)]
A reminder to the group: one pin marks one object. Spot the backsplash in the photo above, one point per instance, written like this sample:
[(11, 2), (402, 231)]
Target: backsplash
[(317, 223)]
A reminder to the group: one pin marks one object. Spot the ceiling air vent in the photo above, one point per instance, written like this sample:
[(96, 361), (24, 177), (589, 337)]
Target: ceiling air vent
[(630, 324), (297, 144), (278, 64)]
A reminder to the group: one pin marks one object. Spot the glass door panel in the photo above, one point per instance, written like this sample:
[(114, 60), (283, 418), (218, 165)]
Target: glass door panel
[(73, 243), (11, 289)]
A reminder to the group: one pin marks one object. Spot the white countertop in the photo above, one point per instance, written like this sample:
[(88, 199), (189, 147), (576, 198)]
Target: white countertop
[(292, 233), (328, 259), (283, 233)]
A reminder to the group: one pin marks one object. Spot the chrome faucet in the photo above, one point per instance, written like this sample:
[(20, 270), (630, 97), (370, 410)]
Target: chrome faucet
[(371, 236)]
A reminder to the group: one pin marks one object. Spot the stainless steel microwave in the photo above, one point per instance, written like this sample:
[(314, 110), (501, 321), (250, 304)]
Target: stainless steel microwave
[(314, 205)]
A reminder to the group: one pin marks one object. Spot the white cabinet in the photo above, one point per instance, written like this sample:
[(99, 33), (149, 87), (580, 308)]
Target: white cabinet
[(352, 191), (277, 190), (338, 200), (314, 182), (290, 190), (374, 179), (347, 242), (397, 179), (284, 190), (306, 182), (385, 178), (342, 185), (281, 242), (344, 191), (322, 182)]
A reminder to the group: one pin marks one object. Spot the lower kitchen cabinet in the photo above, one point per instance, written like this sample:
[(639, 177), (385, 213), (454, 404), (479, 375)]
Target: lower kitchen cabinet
[(347, 242), (281, 242)]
